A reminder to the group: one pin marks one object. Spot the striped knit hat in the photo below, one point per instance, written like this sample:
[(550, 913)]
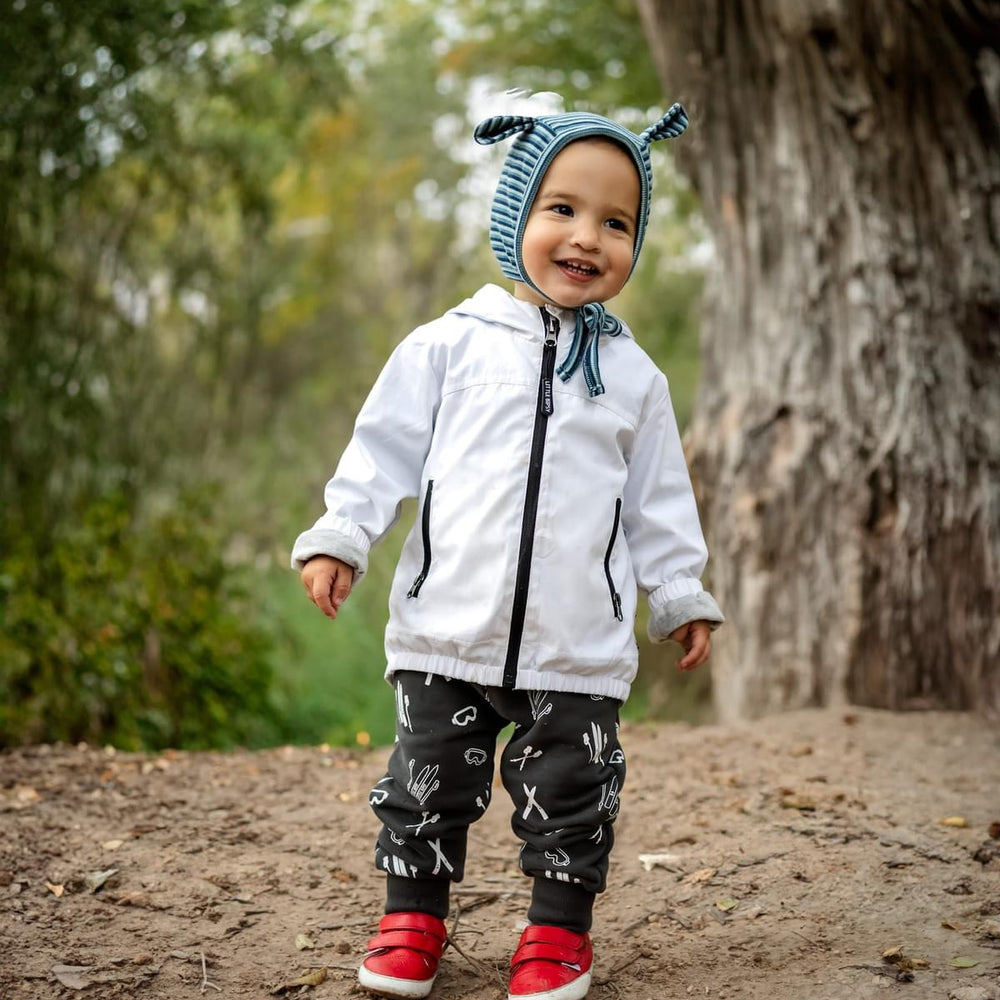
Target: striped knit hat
[(538, 145), (540, 141)]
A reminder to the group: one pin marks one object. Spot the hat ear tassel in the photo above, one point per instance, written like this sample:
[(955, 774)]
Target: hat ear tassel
[(671, 125), (501, 127)]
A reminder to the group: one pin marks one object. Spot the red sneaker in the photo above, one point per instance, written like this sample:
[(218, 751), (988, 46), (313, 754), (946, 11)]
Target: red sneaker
[(402, 959), (550, 964)]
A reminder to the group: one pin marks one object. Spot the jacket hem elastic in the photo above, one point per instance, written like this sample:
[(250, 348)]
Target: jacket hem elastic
[(492, 676)]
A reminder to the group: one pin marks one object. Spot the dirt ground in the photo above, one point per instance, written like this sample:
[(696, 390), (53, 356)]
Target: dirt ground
[(777, 859)]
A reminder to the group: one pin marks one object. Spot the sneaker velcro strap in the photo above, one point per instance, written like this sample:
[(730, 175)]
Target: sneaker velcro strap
[(429, 944), (535, 933), (546, 952), (413, 922)]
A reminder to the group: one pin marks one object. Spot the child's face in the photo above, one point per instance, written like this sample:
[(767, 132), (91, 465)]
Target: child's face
[(577, 243)]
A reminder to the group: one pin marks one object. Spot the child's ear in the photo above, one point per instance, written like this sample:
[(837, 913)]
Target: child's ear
[(501, 127), (668, 127)]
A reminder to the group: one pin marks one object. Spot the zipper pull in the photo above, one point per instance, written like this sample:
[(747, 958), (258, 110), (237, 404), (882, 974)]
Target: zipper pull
[(551, 324)]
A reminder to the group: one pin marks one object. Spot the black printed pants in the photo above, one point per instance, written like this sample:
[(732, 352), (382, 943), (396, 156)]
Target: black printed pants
[(563, 768)]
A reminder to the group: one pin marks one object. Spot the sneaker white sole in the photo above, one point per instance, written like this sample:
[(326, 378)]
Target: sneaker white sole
[(575, 990), (390, 986)]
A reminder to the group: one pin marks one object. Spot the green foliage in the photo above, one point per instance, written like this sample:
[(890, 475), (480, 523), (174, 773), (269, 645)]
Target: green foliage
[(140, 145), (134, 634), (592, 54), (330, 689)]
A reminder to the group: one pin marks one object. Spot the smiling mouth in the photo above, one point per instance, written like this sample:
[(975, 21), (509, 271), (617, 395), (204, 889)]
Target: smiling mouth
[(577, 268)]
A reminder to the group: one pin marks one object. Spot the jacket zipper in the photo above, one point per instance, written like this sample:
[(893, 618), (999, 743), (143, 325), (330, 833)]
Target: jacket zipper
[(425, 530), (543, 411), (616, 600)]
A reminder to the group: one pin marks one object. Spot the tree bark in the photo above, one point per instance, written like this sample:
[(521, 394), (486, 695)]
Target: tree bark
[(846, 438)]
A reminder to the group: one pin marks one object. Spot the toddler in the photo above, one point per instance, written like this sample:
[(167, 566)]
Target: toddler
[(541, 442)]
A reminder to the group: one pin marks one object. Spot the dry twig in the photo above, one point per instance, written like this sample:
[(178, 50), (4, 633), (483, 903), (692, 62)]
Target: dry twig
[(483, 968), (207, 983)]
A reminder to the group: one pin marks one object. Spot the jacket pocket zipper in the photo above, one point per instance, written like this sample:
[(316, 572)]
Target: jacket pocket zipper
[(616, 600), (425, 530)]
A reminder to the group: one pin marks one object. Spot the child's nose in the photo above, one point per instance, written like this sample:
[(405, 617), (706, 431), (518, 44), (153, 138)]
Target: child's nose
[(585, 235)]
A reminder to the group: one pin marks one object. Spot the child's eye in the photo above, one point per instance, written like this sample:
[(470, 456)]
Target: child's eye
[(562, 209), (617, 224)]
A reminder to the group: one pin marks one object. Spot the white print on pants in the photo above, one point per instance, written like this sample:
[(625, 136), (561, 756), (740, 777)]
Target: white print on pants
[(425, 784)]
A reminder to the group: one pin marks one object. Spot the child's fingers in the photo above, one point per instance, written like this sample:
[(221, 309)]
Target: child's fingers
[(342, 585), (697, 644), (321, 591)]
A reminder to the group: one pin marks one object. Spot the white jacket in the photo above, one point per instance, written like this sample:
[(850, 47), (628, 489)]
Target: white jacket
[(454, 419)]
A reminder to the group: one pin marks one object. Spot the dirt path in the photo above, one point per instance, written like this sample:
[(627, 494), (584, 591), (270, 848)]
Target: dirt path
[(793, 852)]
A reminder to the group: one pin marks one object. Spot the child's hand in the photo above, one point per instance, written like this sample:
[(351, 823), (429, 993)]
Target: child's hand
[(696, 638), (328, 581)]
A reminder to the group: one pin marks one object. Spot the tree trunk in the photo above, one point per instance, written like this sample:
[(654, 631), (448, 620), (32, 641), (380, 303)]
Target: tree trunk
[(846, 438)]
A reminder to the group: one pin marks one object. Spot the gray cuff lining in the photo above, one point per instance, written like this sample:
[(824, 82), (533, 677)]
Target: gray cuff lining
[(680, 611), (325, 542)]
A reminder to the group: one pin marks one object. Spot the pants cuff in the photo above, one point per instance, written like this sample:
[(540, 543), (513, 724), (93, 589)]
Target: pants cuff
[(561, 904), (417, 895)]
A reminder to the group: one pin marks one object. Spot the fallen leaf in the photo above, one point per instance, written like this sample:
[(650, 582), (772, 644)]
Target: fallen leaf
[(896, 958), (963, 963), (651, 861), (94, 880), (727, 904), (112, 845), (951, 925), (994, 830), (20, 797), (805, 750), (136, 897), (56, 890), (956, 821), (701, 875), (74, 977), (304, 943), (312, 979), (804, 803)]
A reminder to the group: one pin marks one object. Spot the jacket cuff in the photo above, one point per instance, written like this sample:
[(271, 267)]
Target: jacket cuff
[(329, 542), (671, 614)]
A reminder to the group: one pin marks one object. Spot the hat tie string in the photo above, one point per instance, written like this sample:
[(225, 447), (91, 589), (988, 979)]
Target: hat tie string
[(592, 320)]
